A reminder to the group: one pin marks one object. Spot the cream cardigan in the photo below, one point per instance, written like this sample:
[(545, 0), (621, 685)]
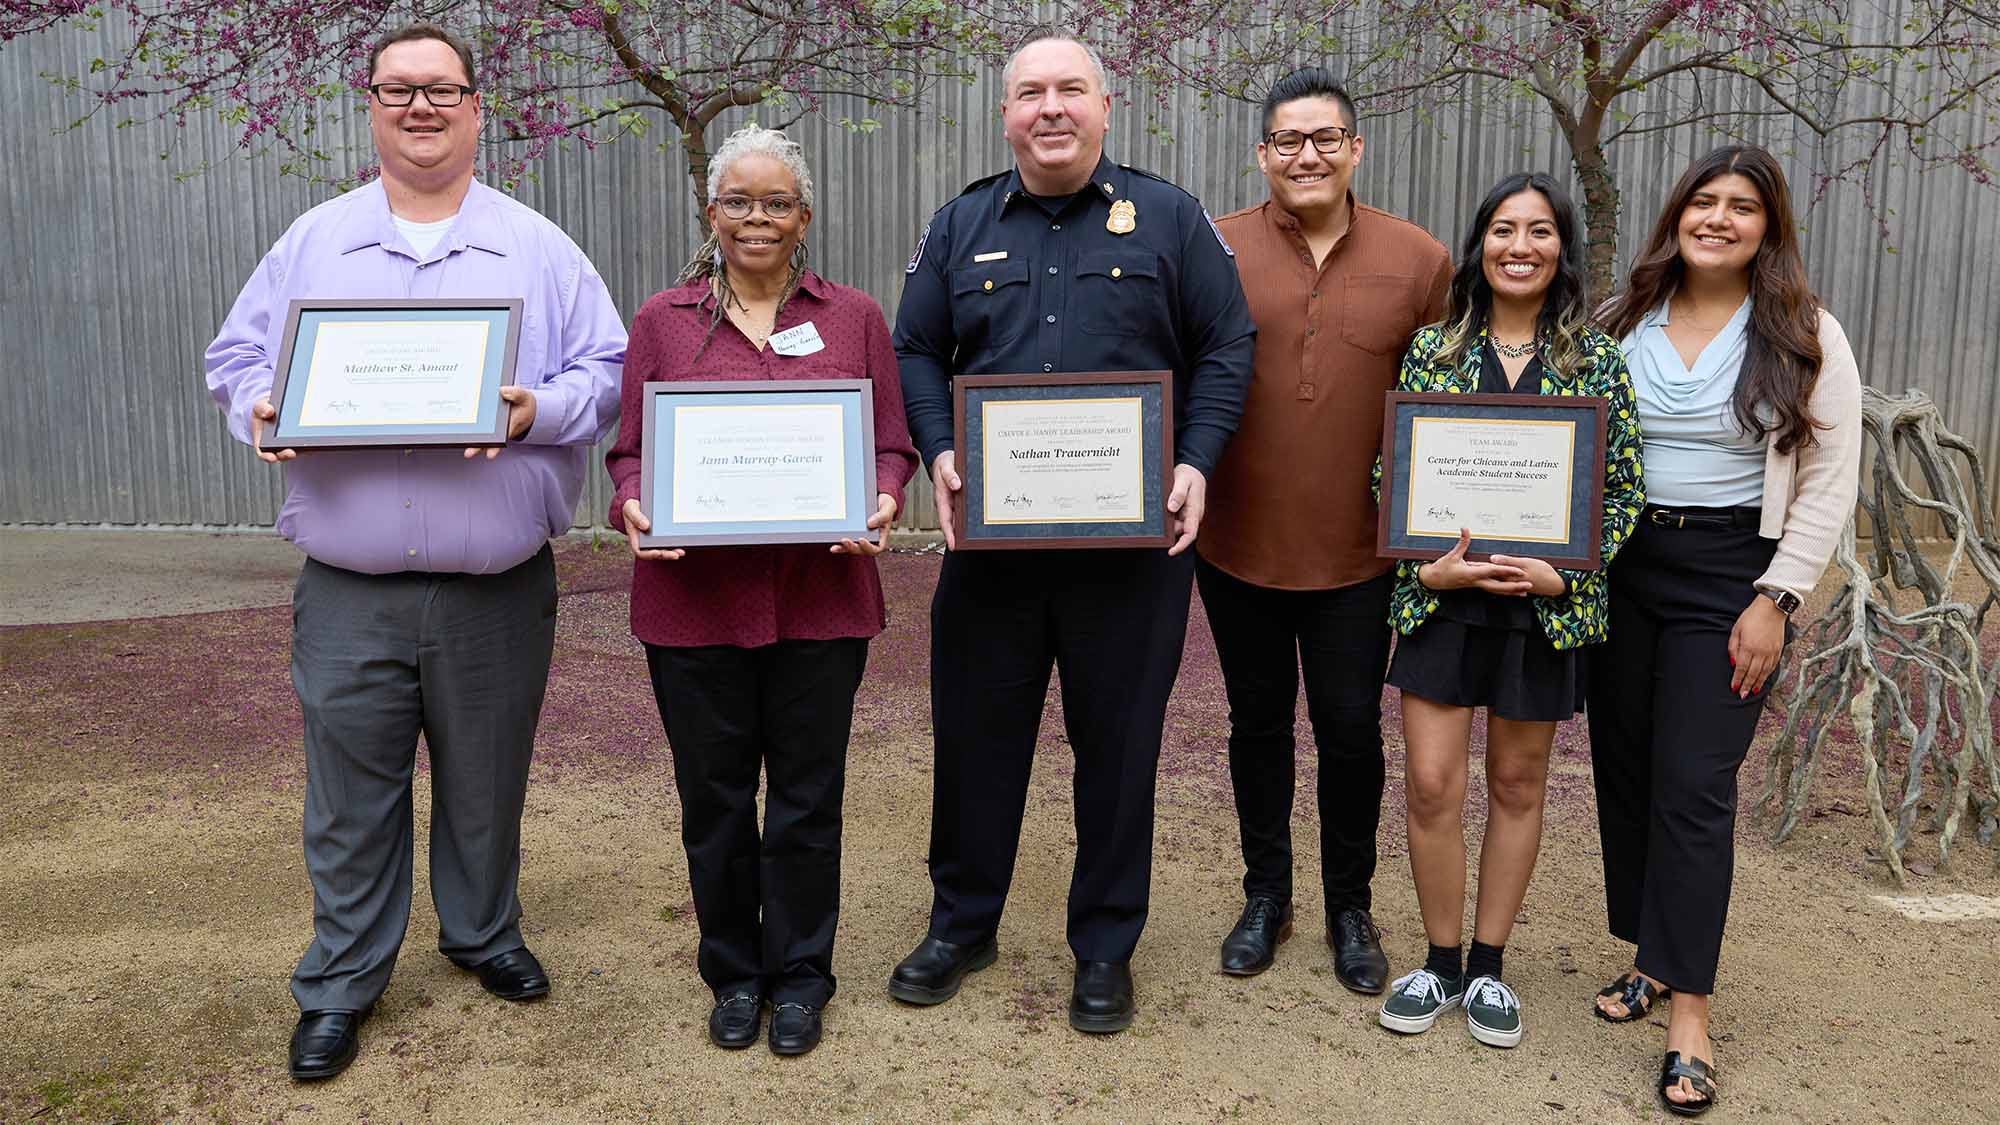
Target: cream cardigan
[(1810, 492)]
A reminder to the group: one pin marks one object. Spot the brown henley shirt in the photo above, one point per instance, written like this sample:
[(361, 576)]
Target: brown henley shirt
[(1290, 506)]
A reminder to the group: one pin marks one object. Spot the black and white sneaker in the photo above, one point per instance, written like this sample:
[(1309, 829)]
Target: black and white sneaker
[(1493, 1012), (1417, 999)]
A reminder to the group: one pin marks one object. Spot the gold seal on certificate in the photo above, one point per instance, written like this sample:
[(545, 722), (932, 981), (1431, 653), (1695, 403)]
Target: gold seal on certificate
[(1070, 460), (394, 372), (1524, 474), (757, 461)]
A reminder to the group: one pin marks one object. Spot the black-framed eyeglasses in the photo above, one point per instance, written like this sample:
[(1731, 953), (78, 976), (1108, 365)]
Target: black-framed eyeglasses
[(1290, 142), (442, 95), (740, 206)]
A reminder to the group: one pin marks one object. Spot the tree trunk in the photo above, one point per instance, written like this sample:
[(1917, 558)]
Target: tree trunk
[(1600, 214), (694, 140)]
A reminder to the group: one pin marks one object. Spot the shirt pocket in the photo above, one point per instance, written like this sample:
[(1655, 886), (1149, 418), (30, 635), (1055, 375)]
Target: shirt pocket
[(1379, 312), (991, 303), (1118, 293)]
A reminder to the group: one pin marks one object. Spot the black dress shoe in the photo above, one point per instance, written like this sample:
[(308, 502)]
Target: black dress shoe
[(1101, 1002), (735, 1019), (1358, 960), (932, 972), (795, 1028), (1251, 946), (324, 1043), (513, 975)]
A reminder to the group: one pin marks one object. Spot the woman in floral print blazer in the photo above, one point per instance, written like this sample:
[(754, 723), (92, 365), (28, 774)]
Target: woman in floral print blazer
[(1503, 634)]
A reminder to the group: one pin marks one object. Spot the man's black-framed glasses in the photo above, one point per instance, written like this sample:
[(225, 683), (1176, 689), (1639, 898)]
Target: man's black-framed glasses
[(740, 206), (1290, 142), (442, 95)]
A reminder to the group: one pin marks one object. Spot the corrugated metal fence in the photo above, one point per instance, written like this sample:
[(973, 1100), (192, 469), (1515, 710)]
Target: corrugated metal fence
[(117, 275)]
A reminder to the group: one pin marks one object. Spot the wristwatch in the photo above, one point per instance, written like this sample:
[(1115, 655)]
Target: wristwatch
[(1785, 600)]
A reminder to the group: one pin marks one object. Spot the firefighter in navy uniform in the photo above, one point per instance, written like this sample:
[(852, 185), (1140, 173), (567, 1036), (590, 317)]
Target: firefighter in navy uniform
[(1069, 262)]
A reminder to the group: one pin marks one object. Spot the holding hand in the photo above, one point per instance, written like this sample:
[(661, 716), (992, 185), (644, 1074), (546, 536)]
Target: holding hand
[(885, 514), (261, 412), (1187, 503), (636, 523), (1542, 578), (1452, 572), (520, 419), (944, 483)]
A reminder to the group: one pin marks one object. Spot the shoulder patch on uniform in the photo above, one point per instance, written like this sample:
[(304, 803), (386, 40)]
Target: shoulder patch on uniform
[(1218, 233), (917, 255)]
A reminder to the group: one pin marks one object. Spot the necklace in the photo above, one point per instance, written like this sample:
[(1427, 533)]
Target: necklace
[(1514, 351)]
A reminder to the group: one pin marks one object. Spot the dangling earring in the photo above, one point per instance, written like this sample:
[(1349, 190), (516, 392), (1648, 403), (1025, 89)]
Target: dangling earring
[(800, 255)]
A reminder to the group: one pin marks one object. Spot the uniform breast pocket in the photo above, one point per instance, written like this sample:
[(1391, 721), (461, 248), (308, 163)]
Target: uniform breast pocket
[(1118, 293), (990, 303), (1380, 312)]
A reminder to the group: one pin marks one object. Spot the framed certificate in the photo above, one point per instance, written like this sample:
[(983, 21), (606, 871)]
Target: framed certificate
[(757, 461), (1524, 473), (394, 372), (1064, 460)]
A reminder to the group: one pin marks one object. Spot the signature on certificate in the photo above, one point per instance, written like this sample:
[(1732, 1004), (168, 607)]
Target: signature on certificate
[(1441, 513), (1113, 497), (1016, 500), (707, 500), (1537, 517), (343, 406)]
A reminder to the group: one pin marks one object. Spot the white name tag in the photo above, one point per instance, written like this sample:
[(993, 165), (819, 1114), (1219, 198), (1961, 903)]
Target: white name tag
[(802, 340)]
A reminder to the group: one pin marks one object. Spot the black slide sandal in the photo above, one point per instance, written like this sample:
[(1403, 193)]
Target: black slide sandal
[(1636, 993), (1699, 1075)]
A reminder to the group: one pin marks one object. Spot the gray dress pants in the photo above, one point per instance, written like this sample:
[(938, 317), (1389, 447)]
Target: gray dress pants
[(377, 659)]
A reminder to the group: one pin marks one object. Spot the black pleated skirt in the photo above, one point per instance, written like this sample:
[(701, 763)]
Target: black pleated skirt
[(1514, 673)]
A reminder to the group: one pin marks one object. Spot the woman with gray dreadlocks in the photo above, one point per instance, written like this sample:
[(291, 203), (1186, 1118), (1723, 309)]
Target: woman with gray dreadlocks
[(755, 652)]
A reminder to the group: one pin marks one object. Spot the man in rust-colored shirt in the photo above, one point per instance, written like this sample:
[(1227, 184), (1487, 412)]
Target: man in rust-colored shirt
[(1287, 569)]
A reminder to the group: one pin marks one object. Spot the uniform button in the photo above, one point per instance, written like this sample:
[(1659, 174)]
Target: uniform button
[(1048, 367), (1052, 318), (989, 286), (1052, 269), (1055, 226), (1117, 272)]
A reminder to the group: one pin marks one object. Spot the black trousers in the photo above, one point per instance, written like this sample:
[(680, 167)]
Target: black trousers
[(1667, 737), (767, 905), (377, 659), (1263, 637), (1113, 623)]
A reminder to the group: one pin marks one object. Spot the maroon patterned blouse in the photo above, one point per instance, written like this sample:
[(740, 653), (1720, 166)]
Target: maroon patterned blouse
[(750, 596)]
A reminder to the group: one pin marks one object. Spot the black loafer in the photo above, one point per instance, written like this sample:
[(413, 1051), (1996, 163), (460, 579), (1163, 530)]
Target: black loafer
[(735, 1020), (324, 1042), (1253, 944), (795, 1028), (933, 971), (1358, 960), (513, 975), (1101, 1002)]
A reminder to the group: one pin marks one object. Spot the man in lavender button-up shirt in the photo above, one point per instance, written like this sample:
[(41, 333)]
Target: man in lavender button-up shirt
[(427, 601)]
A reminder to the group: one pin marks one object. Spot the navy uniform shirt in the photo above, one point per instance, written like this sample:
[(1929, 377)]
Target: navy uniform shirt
[(1004, 282)]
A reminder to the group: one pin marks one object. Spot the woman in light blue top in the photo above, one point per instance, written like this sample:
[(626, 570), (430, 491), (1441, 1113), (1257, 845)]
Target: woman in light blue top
[(1750, 403)]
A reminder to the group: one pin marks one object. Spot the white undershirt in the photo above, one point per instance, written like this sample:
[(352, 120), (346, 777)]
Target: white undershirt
[(423, 237)]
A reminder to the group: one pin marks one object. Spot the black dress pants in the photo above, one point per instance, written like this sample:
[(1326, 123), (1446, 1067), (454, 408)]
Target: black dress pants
[(1667, 737), (1112, 622), (767, 906), (1341, 639)]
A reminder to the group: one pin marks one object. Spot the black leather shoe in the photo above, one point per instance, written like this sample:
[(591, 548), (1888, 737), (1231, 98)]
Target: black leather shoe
[(324, 1043), (795, 1028), (734, 1021), (1253, 944), (513, 975), (933, 971), (1101, 1002), (1358, 960)]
